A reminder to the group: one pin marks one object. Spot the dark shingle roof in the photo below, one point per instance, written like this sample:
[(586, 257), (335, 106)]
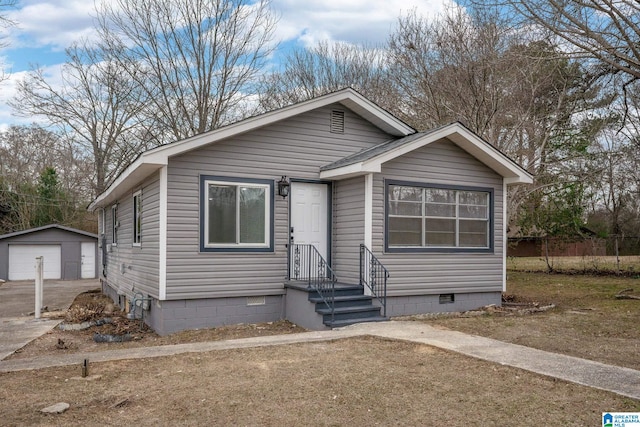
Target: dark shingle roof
[(372, 152)]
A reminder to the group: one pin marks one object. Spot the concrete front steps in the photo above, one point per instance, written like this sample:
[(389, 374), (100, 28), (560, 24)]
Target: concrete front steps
[(305, 307)]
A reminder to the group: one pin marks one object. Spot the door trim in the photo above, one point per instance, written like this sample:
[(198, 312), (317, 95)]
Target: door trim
[(329, 185), (82, 255)]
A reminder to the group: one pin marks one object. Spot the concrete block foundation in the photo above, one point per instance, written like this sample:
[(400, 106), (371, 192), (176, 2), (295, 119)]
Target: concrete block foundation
[(170, 316), (166, 317), (422, 304)]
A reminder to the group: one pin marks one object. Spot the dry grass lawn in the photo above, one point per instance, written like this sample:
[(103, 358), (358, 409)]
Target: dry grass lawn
[(356, 382), (628, 265), (359, 382), (588, 320)]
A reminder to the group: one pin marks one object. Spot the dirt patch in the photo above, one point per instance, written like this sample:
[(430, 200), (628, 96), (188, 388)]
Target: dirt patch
[(90, 307), (359, 382), (587, 320)]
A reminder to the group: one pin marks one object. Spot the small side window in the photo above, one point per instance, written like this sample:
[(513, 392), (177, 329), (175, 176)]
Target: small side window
[(137, 218), (114, 224)]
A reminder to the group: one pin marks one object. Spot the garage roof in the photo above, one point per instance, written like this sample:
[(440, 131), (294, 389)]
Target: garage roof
[(48, 227)]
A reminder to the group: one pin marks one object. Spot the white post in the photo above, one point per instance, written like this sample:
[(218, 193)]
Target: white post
[(39, 285), (368, 224)]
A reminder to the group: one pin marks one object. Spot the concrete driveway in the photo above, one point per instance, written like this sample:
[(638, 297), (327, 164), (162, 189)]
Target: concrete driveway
[(17, 300)]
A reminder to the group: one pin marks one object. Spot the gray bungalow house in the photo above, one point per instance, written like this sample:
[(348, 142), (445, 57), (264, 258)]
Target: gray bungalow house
[(326, 212)]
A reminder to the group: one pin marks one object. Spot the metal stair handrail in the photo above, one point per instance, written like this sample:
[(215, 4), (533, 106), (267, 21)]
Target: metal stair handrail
[(307, 264), (374, 276)]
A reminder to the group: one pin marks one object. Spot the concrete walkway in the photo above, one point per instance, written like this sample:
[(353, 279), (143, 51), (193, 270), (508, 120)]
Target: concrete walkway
[(16, 332), (17, 299), (623, 381)]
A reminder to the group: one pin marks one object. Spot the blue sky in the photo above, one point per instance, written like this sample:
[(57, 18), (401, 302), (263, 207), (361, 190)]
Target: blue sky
[(44, 28)]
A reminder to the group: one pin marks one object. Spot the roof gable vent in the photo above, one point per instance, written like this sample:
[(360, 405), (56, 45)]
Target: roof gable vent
[(337, 121)]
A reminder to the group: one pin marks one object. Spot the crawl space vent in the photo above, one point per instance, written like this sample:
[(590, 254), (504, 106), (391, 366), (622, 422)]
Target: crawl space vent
[(447, 298), (256, 301), (337, 121)]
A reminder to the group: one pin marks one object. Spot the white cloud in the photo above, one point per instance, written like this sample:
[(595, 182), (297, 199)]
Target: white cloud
[(57, 23), (41, 25), (8, 89), (53, 23), (351, 21)]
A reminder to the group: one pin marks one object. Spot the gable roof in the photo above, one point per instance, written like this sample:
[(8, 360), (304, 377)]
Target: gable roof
[(152, 160), (47, 227), (371, 159)]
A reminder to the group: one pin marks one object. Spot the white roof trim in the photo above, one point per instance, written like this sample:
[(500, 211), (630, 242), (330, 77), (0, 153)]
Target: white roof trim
[(132, 175), (459, 135), (348, 97), (152, 160)]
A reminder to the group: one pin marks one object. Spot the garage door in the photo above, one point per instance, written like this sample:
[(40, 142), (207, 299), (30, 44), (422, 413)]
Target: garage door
[(22, 261)]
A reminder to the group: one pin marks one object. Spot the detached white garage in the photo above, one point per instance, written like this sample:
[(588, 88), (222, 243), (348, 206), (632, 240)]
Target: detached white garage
[(68, 253)]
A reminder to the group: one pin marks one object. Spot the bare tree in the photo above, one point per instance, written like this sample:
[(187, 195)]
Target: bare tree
[(605, 34), (28, 156), (25, 151), (96, 106), (5, 22), (325, 68), (4, 6), (518, 92), (515, 92), (196, 60), (164, 70), (616, 181), (608, 30), (448, 69)]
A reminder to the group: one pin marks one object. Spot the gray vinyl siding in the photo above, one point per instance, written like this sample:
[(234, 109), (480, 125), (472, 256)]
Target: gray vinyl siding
[(296, 147), (441, 162), (348, 228), (131, 269)]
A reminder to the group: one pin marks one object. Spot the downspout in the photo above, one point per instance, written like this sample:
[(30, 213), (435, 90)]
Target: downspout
[(505, 220)]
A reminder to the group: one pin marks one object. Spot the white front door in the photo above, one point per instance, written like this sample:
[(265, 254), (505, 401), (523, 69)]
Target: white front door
[(88, 254), (310, 215)]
